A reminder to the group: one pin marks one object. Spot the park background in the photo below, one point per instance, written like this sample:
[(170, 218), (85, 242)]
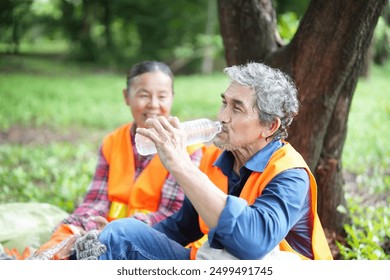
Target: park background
[(62, 70)]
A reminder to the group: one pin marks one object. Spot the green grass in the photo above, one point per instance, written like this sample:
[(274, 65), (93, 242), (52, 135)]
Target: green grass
[(86, 102), (59, 172), (367, 155), (368, 234), (61, 98), (39, 92), (198, 96), (367, 150)]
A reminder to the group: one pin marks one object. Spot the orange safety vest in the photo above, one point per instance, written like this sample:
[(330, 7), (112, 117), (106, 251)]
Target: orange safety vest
[(129, 196), (284, 158)]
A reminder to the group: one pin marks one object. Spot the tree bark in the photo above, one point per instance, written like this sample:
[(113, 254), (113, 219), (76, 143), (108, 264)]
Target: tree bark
[(325, 59), (248, 28)]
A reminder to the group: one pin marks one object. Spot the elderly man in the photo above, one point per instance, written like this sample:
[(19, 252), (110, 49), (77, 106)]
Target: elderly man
[(252, 193)]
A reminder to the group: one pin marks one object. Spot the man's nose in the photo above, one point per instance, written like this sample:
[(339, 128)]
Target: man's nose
[(223, 115)]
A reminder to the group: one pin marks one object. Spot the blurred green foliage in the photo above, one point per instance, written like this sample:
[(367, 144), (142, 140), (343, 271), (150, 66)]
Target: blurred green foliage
[(368, 236), (60, 94), (113, 33), (381, 42), (117, 33), (288, 25), (57, 173), (366, 150)]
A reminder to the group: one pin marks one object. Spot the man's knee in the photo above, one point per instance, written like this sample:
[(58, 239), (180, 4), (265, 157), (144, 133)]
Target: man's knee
[(121, 228)]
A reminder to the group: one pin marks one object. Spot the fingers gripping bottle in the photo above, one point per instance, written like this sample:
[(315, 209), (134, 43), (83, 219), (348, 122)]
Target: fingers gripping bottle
[(198, 131)]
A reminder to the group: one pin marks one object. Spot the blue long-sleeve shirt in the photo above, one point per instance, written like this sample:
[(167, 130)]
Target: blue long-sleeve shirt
[(251, 231)]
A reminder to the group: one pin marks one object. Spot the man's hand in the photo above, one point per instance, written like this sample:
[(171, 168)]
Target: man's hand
[(170, 141)]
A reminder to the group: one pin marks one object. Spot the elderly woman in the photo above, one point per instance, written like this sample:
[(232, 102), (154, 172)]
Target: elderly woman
[(252, 193)]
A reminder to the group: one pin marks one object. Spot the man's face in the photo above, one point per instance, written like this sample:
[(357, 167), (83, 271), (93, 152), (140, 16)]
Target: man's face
[(240, 119), (150, 96)]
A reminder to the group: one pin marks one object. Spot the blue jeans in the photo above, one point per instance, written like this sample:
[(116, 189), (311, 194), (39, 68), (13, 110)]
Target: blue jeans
[(131, 239)]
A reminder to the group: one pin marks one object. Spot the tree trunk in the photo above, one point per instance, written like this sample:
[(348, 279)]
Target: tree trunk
[(324, 59), (248, 28)]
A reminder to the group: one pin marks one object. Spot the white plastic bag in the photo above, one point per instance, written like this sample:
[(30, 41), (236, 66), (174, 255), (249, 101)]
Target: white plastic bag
[(28, 224)]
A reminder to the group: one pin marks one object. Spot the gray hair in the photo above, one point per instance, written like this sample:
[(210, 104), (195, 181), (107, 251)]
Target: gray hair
[(147, 67), (276, 94)]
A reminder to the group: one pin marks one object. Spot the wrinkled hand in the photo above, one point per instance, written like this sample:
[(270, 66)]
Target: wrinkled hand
[(88, 247), (170, 140)]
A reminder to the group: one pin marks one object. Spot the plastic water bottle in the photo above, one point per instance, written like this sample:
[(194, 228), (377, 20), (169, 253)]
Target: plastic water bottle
[(198, 131)]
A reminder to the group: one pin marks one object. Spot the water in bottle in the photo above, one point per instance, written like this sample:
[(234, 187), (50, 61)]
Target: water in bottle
[(198, 131)]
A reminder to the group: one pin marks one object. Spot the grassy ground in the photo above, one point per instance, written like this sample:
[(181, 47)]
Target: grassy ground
[(45, 92), (53, 115), (366, 163), (366, 150)]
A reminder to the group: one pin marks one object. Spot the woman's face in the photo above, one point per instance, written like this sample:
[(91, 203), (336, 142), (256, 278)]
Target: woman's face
[(150, 95)]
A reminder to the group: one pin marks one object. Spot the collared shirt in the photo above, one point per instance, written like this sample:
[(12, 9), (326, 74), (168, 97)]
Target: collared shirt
[(251, 231), (96, 202)]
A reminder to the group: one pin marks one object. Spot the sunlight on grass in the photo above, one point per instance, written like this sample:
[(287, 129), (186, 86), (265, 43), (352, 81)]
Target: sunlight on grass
[(45, 94), (366, 149), (198, 96), (91, 100)]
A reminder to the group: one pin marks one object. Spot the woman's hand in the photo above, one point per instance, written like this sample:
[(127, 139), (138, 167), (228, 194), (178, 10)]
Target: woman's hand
[(100, 221)]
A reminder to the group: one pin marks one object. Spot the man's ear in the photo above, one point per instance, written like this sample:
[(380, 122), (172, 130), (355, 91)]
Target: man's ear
[(274, 126)]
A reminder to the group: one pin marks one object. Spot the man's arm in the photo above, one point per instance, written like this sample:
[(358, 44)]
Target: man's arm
[(252, 231), (170, 142), (172, 197)]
